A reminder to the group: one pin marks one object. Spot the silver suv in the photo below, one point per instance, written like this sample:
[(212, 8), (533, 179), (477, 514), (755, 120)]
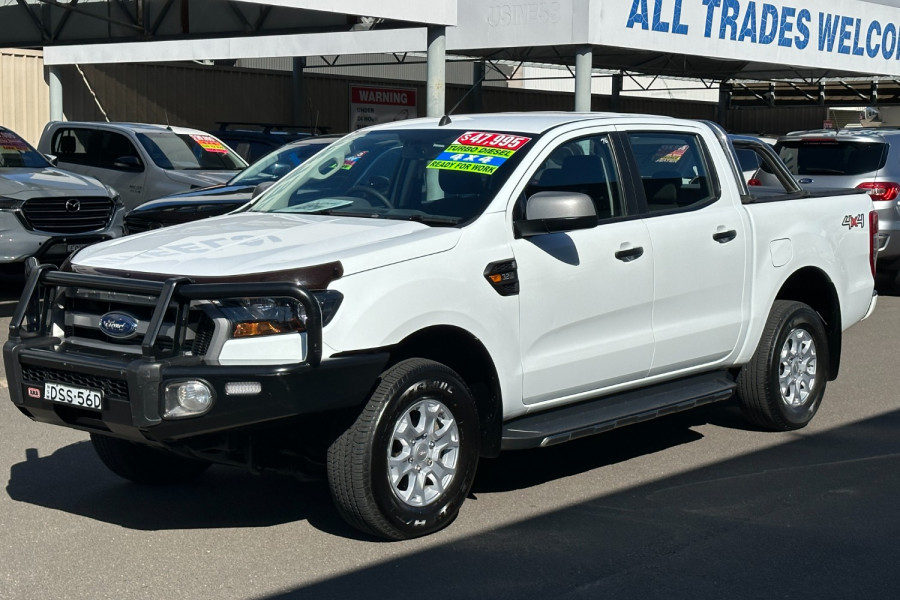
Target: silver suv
[(47, 212), (867, 159)]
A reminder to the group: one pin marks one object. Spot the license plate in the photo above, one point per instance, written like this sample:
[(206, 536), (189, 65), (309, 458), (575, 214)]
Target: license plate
[(75, 247), (73, 395)]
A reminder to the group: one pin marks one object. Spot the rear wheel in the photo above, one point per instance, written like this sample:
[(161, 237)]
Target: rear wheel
[(782, 386), (406, 465), (145, 464)]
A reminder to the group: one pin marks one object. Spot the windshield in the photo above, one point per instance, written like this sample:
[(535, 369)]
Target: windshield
[(832, 157), (277, 164), (183, 151), (436, 176), (16, 153)]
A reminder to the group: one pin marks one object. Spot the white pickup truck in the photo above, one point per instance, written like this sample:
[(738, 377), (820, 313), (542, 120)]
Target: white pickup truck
[(427, 292)]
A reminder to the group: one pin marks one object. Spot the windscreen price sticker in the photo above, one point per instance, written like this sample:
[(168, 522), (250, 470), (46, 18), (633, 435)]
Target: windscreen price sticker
[(492, 140), (478, 152), (10, 141), (210, 144)]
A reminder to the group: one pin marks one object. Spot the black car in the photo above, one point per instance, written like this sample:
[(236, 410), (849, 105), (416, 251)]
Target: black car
[(220, 199), (255, 140)]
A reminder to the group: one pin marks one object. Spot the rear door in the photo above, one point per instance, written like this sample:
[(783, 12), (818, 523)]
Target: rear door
[(700, 240)]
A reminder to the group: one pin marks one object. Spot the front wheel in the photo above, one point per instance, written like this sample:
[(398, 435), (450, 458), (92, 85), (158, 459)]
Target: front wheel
[(782, 386), (406, 465)]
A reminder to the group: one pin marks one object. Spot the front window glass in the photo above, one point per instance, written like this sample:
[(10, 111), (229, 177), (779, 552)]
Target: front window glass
[(183, 151), (586, 166), (832, 157), (276, 165), (15, 152), (436, 176)]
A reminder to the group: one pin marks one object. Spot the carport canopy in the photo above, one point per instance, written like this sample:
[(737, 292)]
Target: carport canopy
[(711, 40)]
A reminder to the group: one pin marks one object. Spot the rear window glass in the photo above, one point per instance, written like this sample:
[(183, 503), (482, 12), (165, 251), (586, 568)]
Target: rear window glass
[(832, 157)]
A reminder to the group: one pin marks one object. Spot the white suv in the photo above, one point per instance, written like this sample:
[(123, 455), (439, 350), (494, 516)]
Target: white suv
[(142, 162)]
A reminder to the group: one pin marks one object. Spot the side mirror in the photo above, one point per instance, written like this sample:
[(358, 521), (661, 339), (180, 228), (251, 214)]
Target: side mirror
[(52, 159), (553, 212), (129, 163), (260, 188), (279, 170)]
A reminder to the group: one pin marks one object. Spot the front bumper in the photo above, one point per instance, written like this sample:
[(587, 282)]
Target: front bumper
[(133, 390), (132, 384)]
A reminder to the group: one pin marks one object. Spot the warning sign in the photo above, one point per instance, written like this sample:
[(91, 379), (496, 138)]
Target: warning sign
[(373, 105)]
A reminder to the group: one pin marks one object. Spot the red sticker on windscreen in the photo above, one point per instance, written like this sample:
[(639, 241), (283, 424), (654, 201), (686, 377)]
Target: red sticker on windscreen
[(210, 144), (492, 140)]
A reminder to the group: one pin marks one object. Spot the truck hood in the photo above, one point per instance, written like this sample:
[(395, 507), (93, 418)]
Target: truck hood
[(25, 183), (248, 243)]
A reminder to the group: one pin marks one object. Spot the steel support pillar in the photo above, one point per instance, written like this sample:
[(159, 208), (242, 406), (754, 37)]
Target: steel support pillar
[(298, 64), (476, 99), (584, 59), (724, 102), (436, 75), (615, 99), (54, 80)]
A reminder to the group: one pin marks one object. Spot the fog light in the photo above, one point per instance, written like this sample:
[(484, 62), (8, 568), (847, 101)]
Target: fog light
[(243, 388), (187, 399)]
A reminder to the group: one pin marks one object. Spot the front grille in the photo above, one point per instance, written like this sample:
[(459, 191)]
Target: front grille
[(85, 308), (115, 388), (68, 215)]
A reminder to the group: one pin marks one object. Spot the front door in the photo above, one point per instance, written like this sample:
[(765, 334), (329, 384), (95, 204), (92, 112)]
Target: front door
[(585, 296)]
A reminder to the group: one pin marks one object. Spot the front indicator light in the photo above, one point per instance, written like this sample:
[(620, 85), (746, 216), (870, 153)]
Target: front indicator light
[(187, 399), (254, 328)]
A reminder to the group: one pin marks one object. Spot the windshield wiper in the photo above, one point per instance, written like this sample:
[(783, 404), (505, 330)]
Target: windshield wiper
[(429, 219)]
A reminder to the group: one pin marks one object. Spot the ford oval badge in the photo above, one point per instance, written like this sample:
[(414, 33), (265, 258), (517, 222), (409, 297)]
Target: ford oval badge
[(118, 325), (806, 180)]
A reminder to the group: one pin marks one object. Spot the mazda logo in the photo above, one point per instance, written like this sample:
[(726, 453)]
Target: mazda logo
[(73, 205), (119, 325)]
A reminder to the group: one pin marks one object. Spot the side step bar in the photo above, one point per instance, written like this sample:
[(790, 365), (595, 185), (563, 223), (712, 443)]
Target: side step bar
[(567, 423)]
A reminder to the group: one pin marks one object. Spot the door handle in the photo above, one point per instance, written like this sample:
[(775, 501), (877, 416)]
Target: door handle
[(723, 237), (630, 254)]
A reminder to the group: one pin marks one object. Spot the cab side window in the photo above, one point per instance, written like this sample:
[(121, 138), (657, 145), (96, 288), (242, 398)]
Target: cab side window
[(73, 145), (674, 170), (586, 166), (112, 147)]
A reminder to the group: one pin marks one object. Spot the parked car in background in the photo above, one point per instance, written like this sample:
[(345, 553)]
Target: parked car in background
[(867, 159), (46, 212), (223, 198), (255, 140), (141, 161)]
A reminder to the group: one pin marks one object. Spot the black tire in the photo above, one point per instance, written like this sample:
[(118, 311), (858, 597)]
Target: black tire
[(374, 465), (145, 464), (782, 386)]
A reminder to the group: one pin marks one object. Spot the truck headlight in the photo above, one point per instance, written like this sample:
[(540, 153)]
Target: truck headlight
[(263, 316), (271, 316)]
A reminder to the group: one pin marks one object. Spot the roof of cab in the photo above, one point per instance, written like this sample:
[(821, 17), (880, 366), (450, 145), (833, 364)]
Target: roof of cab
[(136, 127), (523, 122)]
